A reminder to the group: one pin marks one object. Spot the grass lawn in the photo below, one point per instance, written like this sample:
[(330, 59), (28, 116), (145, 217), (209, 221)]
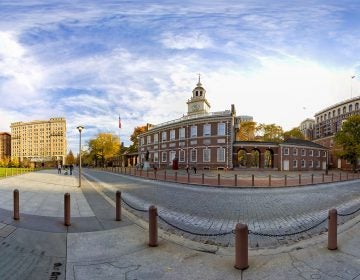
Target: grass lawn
[(13, 171)]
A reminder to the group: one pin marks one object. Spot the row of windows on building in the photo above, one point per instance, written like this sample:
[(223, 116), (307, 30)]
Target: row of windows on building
[(303, 163), (304, 152), (193, 155), (332, 114), (193, 133)]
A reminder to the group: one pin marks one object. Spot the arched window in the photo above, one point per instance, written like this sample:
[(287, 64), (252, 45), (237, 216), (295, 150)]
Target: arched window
[(321, 118), (200, 92), (334, 112), (329, 115), (196, 93), (344, 110), (356, 106), (339, 112), (350, 108)]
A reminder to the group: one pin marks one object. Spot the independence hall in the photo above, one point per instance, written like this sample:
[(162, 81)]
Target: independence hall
[(207, 140)]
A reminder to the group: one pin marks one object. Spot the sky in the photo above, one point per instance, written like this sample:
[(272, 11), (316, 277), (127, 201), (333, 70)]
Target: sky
[(91, 61)]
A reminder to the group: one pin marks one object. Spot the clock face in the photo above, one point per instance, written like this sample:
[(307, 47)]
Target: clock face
[(196, 106)]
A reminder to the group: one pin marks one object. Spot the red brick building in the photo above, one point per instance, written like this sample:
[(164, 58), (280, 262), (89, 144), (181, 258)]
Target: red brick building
[(207, 140)]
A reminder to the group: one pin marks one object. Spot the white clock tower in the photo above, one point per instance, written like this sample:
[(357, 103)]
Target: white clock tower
[(198, 103)]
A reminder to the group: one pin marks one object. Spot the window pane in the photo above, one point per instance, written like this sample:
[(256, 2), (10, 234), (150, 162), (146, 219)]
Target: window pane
[(207, 129), (194, 131), (221, 129), (206, 155)]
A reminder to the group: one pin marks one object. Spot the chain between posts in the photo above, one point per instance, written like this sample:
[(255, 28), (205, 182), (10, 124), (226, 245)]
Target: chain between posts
[(287, 234), (195, 233), (132, 207), (348, 214)]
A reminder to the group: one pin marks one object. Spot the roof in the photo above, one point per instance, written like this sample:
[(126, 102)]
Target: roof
[(256, 143), (300, 142)]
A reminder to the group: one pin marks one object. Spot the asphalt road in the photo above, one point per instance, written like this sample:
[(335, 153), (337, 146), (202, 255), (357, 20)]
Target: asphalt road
[(207, 211)]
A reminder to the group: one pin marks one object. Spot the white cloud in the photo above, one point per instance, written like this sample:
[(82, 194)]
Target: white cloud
[(279, 90), (190, 40), (22, 76)]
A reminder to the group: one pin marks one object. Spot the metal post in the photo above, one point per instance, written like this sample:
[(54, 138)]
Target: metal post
[(67, 209), (118, 205), (285, 180), (241, 247), (188, 179), (332, 229), (235, 183), (153, 235), (312, 178), (16, 205), (218, 179), (80, 128), (164, 175), (175, 176), (269, 180), (155, 174), (323, 178), (202, 179), (252, 180), (299, 179)]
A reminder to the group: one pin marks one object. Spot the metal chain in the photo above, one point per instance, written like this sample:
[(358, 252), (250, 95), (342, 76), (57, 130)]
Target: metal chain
[(287, 234), (137, 209), (348, 214), (195, 233)]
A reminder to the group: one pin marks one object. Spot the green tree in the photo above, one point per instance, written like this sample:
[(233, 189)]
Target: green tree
[(294, 133), (270, 132), (134, 137), (70, 159), (246, 131), (104, 147), (348, 138)]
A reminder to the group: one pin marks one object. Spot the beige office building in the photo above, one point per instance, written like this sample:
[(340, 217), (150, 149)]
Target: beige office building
[(5, 145), (39, 141)]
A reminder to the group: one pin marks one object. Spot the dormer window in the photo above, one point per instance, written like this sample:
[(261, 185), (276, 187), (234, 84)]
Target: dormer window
[(200, 92), (196, 93)]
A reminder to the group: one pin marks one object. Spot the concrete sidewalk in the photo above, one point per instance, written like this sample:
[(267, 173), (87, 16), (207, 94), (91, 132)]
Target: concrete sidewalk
[(96, 247)]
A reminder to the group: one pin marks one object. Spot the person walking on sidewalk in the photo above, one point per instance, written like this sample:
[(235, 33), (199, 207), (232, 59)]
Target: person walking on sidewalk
[(187, 169), (59, 168), (71, 168)]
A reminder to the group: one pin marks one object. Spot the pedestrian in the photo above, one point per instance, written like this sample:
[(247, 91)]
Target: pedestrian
[(187, 169), (71, 168), (194, 168), (59, 168)]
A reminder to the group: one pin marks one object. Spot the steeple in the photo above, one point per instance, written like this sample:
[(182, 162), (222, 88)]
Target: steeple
[(199, 83), (198, 103)]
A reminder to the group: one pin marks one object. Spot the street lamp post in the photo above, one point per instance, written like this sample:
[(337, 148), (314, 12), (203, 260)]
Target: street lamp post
[(80, 128)]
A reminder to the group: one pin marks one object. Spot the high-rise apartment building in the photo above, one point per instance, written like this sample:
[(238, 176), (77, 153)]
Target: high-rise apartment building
[(5, 145), (39, 141)]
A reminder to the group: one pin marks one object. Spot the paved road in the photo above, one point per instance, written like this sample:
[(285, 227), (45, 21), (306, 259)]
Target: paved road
[(95, 246), (207, 210)]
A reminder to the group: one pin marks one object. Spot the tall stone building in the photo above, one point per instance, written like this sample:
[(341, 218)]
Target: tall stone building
[(5, 145), (39, 141), (328, 121)]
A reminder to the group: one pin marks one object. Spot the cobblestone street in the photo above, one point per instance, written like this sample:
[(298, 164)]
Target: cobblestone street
[(211, 211)]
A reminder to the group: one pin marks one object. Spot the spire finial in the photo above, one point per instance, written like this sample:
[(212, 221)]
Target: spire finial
[(199, 83)]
